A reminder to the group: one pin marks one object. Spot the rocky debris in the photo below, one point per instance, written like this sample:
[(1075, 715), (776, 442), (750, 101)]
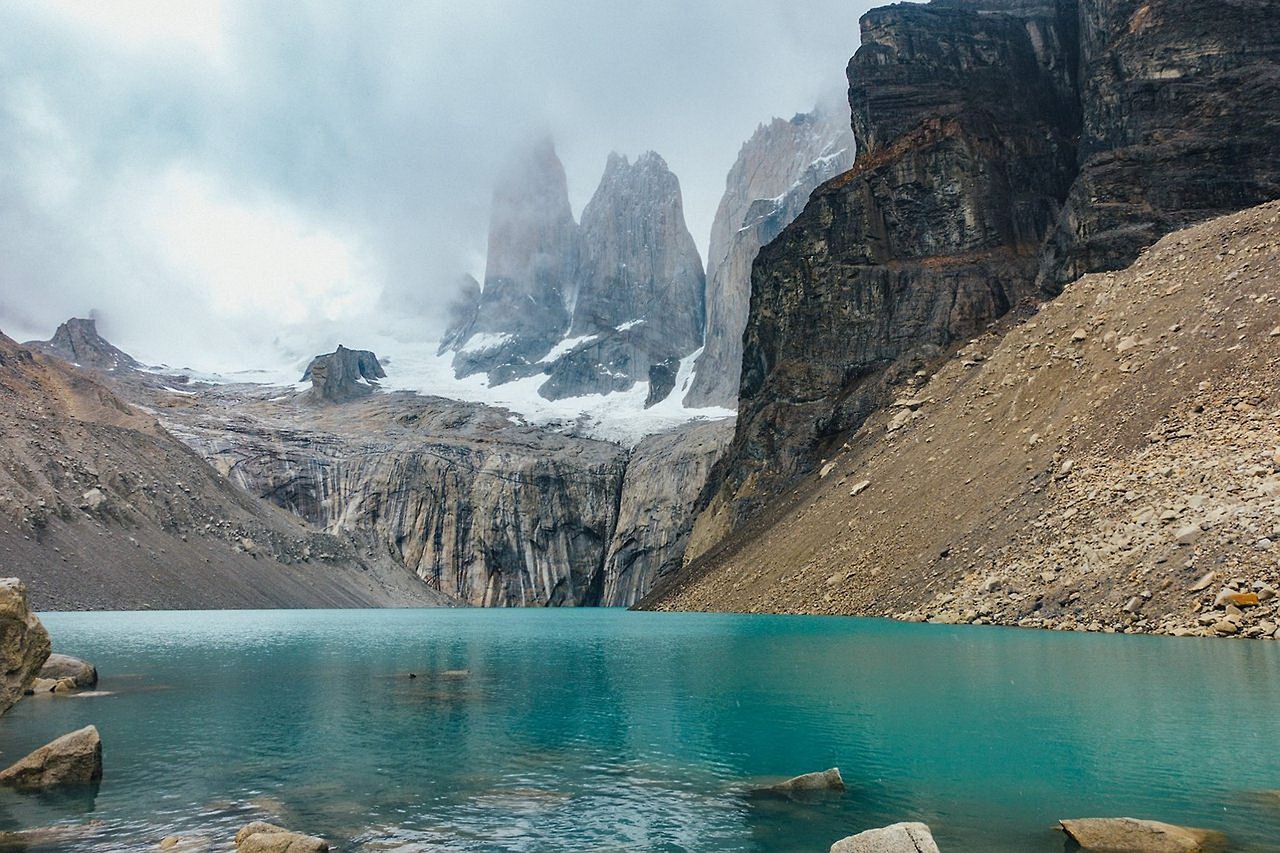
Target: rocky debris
[(343, 375), (73, 759), (262, 837), (639, 268), (530, 271), (81, 674), (78, 342), (896, 838), (664, 477), (167, 530), (970, 195), (1127, 835), (768, 186), (24, 643), (1080, 529), (824, 780)]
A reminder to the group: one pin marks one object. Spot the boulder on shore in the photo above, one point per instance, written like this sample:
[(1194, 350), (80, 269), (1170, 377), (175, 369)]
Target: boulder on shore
[(24, 643), (263, 837), (60, 668), (826, 780), (897, 838), (73, 759), (1130, 835)]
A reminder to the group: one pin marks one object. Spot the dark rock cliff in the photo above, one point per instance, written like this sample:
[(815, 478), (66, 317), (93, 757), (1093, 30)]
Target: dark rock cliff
[(78, 342), (343, 375), (768, 186), (964, 127)]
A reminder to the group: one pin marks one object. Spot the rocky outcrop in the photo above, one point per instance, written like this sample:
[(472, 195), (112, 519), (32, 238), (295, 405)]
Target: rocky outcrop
[(1181, 123), (824, 780), (24, 643), (103, 508), (343, 375), (461, 314), (530, 271), (73, 759), (1003, 147), (263, 837), (665, 476), (1127, 835), (78, 342), (768, 186), (81, 675), (897, 838), (640, 275)]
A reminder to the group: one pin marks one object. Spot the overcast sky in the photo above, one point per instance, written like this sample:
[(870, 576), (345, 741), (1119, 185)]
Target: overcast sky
[(212, 178)]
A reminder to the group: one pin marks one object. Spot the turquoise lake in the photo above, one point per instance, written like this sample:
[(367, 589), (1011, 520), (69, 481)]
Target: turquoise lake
[(609, 730)]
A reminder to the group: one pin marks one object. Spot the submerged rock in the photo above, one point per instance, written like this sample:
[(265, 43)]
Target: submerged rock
[(24, 643), (80, 673), (898, 838), (262, 837), (73, 759), (826, 780), (1130, 835)]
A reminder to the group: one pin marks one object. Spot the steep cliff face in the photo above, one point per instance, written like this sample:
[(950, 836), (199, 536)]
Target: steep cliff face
[(640, 282), (102, 508), (964, 127), (1181, 122), (665, 477), (343, 375), (529, 274), (768, 186), (78, 342)]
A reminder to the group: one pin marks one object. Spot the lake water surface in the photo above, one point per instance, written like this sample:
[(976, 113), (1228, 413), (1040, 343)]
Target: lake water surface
[(608, 730)]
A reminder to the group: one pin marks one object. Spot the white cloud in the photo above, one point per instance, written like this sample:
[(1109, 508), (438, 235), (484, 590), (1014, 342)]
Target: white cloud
[(149, 25)]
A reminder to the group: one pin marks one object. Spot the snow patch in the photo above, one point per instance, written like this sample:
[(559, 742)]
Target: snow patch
[(485, 341), (565, 347)]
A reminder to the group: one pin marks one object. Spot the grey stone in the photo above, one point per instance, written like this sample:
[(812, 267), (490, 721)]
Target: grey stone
[(896, 838), (73, 759), (1129, 835)]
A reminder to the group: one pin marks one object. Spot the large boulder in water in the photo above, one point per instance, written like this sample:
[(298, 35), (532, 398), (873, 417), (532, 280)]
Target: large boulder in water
[(262, 837), (73, 759), (24, 643), (898, 838), (1130, 835), (81, 674), (343, 375), (826, 780)]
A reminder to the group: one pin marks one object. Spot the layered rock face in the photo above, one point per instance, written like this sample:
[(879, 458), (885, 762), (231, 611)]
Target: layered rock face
[(343, 375), (964, 128), (24, 643), (969, 193), (529, 274), (768, 186), (640, 281), (1181, 122)]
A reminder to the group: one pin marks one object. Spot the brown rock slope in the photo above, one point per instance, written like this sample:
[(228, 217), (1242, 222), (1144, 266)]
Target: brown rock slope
[(1111, 462), (102, 508)]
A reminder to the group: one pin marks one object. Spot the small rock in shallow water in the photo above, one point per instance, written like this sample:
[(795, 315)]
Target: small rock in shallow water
[(1129, 835), (827, 780), (898, 838), (60, 667), (263, 837)]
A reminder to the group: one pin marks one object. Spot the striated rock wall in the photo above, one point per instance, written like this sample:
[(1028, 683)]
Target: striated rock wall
[(768, 186), (964, 127), (1004, 147)]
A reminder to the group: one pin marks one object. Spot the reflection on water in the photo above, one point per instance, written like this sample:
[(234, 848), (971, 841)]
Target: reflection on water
[(606, 730)]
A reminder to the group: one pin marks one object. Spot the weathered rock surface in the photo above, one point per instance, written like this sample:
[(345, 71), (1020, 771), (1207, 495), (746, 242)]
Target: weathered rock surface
[(768, 186), (81, 674), (664, 477), (1126, 480), (967, 116), (262, 837), (343, 375), (530, 271), (896, 838), (24, 643), (639, 269), (1127, 835), (78, 342), (102, 508), (824, 780), (73, 759)]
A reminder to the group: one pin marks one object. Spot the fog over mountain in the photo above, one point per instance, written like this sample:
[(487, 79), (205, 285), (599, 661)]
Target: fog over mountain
[(225, 183)]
